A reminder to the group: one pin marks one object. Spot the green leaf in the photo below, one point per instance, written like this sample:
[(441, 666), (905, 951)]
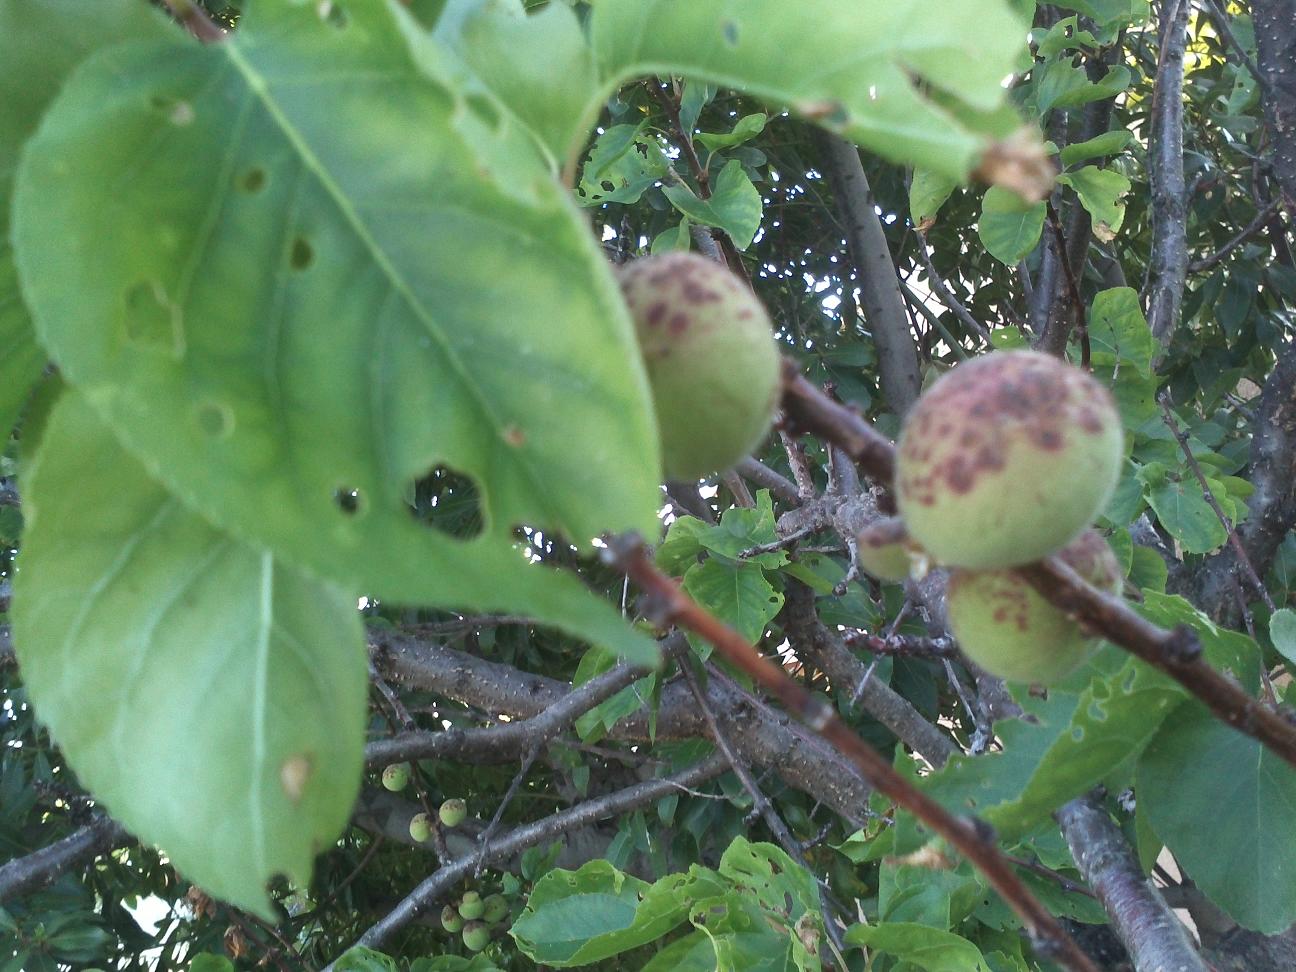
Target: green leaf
[(1230, 651), (30, 76), (745, 129), (210, 697), (675, 238), (1009, 227), (858, 78), (734, 205), (1100, 192), (1108, 12), (209, 962), (1108, 143), (541, 66), (1116, 80), (1148, 572), (736, 593), (741, 529), (1117, 326), (581, 917), (1282, 631), (361, 959), (924, 947), (1182, 509), (1239, 797), (621, 167), (771, 877), (928, 191), (388, 267)]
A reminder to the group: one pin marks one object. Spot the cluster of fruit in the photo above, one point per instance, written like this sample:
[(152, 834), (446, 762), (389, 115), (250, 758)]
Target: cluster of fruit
[(476, 919), (1006, 459)]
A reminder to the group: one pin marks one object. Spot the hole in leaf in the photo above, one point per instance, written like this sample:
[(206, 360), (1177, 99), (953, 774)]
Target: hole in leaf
[(349, 500), (729, 30), (178, 111), (449, 501), (254, 180), (302, 254), (151, 320), (333, 14), (215, 419)]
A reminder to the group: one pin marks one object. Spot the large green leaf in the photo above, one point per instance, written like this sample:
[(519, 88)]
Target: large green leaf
[(1228, 819), (1009, 227), (1073, 739), (576, 918), (210, 697), (1100, 192), (375, 275), (1117, 326), (31, 74), (735, 205), (737, 593), (857, 78), (920, 946), (1181, 507)]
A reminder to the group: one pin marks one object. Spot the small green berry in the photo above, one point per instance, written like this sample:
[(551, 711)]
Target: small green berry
[(471, 905), (476, 936), (396, 777), (496, 909), (883, 549), (420, 827), (453, 813), (451, 920)]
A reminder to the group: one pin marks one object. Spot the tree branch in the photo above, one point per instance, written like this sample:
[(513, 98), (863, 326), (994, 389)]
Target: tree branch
[(668, 604), (1168, 262), (879, 286), (433, 888), (1155, 939), (1275, 30), (41, 868)]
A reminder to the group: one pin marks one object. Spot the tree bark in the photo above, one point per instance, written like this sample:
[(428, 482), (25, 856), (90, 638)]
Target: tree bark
[(879, 287), (1155, 939), (1168, 264), (1275, 29)]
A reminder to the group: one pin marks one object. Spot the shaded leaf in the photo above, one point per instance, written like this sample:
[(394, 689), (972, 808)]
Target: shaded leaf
[(1009, 227), (734, 205)]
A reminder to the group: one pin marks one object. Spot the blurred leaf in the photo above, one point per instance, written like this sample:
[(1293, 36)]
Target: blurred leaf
[(1009, 228)]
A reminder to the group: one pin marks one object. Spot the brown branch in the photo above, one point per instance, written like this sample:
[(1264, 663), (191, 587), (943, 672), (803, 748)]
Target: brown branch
[(1177, 652), (1155, 939), (190, 15), (1058, 346), (666, 603)]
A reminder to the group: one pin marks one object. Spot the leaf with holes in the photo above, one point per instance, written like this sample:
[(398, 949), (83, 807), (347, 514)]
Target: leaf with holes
[(293, 334), (858, 78), (212, 698), (30, 76)]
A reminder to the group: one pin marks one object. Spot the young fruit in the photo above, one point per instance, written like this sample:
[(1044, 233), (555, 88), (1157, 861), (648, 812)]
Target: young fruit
[(1005, 626), (495, 909), (1007, 458), (396, 777), (451, 920), (471, 906), (711, 357), (476, 936), (452, 813), (883, 549), (420, 827)]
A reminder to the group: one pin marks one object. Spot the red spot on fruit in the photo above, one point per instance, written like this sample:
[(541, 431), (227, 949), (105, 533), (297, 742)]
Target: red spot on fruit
[(678, 324), (656, 313)]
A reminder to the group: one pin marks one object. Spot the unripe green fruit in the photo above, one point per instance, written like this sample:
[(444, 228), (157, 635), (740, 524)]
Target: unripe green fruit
[(476, 936), (420, 827), (1006, 459), (452, 813), (1005, 626), (471, 905), (451, 920), (396, 777), (883, 549), (495, 909), (711, 358)]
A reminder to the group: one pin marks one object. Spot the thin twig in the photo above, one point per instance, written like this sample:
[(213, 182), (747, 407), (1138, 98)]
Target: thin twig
[(486, 835), (668, 604), (946, 295), (1257, 224), (195, 20)]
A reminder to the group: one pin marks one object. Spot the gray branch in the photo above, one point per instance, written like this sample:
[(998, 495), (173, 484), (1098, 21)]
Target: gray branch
[(879, 286), (1275, 30), (42, 868), (435, 887), (1155, 939), (1168, 263)]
